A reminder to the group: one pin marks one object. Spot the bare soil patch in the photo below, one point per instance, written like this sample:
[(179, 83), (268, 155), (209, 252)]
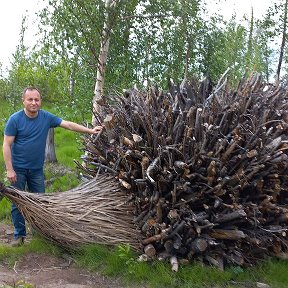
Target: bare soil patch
[(46, 271)]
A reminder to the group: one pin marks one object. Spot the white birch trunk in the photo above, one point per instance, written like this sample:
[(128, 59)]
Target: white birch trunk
[(282, 48), (98, 99)]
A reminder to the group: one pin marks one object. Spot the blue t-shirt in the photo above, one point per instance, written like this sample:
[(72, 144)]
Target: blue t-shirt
[(28, 148)]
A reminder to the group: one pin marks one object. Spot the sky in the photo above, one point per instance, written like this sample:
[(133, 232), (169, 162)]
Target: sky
[(241, 7), (12, 11)]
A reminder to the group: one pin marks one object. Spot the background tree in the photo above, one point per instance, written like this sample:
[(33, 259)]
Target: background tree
[(150, 42), (273, 28), (283, 42), (111, 8)]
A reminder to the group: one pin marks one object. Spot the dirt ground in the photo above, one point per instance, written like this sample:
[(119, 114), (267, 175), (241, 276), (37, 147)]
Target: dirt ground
[(45, 271)]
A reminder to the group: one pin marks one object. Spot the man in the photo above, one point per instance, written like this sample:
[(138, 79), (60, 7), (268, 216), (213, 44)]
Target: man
[(24, 150)]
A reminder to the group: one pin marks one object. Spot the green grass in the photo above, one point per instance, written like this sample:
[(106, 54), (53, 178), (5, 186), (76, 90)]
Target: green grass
[(38, 244), (275, 272), (41, 245), (18, 284), (67, 145), (122, 262), (10, 255), (60, 178), (5, 207)]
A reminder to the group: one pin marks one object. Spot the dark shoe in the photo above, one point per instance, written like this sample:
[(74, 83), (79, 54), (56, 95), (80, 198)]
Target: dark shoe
[(17, 242)]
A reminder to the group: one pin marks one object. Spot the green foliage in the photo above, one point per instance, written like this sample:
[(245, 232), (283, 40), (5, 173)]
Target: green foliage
[(3, 88), (223, 48), (150, 42), (121, 257), (4, 203), (5, 110)]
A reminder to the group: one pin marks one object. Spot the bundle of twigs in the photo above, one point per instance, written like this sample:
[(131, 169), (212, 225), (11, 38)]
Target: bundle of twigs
[(94, 212), (206, 168)]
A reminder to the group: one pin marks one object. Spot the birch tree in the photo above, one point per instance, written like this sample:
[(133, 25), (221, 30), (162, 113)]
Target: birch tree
[(98, 100), (283, 42)]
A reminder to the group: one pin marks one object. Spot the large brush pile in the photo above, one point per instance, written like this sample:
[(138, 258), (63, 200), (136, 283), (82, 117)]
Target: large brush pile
[(203, 172), (206, 168)]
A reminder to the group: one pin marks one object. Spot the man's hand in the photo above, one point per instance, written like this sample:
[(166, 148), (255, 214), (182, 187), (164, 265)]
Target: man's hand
[(11, 176), (96, 129)]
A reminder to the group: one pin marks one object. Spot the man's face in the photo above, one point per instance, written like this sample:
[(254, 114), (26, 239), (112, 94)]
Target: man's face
[(32, 101)]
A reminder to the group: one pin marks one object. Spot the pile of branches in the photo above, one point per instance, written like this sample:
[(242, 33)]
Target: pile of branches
[(95, 212), (205, 168)]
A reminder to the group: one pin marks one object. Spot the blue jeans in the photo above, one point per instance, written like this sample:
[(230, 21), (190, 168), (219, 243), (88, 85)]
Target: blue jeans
[(31, 180)]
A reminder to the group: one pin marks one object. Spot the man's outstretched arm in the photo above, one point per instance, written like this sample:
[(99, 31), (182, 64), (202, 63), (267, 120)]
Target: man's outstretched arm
[(80, 128)]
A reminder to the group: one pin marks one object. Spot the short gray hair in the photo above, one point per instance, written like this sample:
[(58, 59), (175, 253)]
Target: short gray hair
[(30, 88)]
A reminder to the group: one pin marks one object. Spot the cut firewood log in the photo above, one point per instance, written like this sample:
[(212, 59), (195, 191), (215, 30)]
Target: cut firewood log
[(199, 245), (227, 234), (149, 250)]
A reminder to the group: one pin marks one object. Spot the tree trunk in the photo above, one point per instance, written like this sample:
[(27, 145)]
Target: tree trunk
[(283, 43), (250, 40), (98, 99), (50, 155)]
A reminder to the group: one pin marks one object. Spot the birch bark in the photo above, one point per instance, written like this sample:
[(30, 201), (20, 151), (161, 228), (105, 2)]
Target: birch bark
[(98, 99)]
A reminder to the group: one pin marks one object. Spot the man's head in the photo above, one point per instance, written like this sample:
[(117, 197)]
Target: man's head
[(31, 99)]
